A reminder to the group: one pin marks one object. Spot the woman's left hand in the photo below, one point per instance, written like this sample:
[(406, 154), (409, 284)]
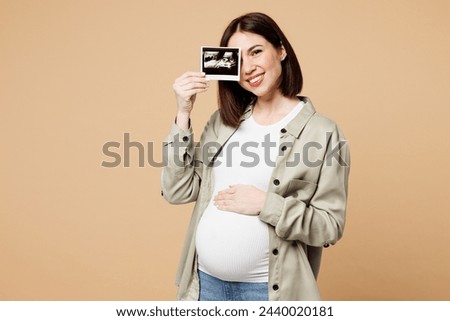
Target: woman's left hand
[(241, 199)]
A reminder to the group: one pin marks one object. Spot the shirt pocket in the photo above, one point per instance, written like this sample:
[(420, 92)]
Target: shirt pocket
[(301, 190)]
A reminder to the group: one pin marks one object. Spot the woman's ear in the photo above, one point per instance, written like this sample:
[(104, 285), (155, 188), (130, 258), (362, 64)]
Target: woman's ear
[(283, 53)]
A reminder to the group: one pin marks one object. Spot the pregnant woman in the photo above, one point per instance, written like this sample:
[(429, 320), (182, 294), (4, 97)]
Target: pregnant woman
[(269, 178)]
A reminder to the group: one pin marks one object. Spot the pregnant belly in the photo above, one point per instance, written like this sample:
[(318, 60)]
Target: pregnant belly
[(232, 247)]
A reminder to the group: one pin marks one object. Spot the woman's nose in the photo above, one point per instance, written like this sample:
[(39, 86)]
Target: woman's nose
[(247, 67)]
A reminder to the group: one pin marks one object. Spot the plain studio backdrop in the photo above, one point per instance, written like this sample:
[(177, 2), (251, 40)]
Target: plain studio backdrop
[(76, 75)]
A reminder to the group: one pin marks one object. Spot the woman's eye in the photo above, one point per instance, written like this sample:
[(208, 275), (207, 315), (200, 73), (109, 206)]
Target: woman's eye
[(256, 52)]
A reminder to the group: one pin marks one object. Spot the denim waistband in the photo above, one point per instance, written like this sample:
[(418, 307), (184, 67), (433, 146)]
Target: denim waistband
[(214, 289)]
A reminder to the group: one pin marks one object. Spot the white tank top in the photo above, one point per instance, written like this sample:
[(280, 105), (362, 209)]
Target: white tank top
[(231, 246)]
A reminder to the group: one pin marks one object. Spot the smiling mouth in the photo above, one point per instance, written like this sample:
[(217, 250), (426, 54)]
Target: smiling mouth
[(256, 81)]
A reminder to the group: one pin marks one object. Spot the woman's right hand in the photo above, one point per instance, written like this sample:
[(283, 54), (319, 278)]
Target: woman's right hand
[(186, 87)]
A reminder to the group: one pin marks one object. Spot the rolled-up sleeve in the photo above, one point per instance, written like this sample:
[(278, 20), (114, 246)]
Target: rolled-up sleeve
[(180, 182)]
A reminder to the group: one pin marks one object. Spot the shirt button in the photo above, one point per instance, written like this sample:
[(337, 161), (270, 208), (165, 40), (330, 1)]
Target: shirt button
[(276, 182), (162, 194), (185, 138), (283, 130), (275, 252), (326, 245), (275, 287), (283, 148)]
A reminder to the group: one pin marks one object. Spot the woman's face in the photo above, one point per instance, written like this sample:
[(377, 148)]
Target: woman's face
[(260, 65)]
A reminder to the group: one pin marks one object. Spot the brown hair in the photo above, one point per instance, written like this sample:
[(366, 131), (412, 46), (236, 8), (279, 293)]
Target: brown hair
[(233, 99)]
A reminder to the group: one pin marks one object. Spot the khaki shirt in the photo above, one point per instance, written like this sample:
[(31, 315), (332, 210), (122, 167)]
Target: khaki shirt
[(305, 203)]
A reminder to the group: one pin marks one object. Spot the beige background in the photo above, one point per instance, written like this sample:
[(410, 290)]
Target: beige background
[(77, 74)]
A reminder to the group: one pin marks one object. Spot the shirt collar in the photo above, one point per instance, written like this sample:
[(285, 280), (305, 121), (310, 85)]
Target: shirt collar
[(296, 125)]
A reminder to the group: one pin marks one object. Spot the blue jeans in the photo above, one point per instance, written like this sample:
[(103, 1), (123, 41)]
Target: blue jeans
[(214, 289)]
